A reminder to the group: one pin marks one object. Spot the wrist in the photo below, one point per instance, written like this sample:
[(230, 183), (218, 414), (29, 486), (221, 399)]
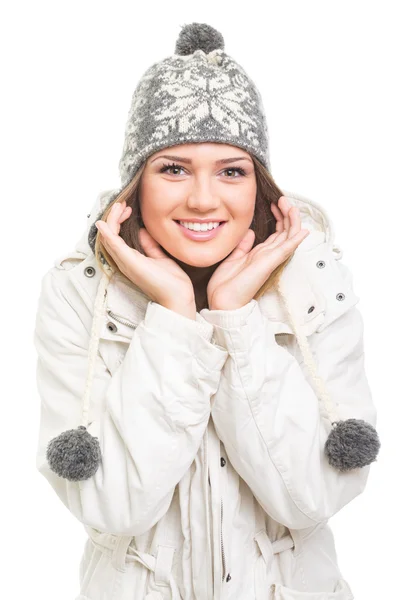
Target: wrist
[(188, 311), (226, 306)]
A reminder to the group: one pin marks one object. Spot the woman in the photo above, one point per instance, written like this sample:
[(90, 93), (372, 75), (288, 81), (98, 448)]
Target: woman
[(226, 413)]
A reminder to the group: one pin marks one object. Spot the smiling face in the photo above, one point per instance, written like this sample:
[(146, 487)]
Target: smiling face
[(195, 182)]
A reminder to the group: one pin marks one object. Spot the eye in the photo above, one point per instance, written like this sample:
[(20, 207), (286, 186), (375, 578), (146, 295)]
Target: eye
[(241, 172), (166, 167)]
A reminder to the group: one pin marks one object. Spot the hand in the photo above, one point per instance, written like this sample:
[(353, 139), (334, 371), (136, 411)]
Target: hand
[(237, 279), (156, 274)]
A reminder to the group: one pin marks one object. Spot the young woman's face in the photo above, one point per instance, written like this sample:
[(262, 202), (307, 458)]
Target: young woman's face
[(198, 187)]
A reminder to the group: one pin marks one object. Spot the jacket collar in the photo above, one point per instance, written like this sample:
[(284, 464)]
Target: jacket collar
[(305, 296)]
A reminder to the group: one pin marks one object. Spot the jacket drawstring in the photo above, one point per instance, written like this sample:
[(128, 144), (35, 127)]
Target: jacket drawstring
[(99, 305), (75, 454), (351, 443), (302, 341)]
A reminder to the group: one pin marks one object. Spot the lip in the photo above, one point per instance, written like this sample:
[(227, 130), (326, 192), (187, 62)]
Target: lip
[(201, 221), (200, 236)]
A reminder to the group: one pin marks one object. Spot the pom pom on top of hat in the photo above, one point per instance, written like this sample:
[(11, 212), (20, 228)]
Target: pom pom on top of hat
[(198, 36)]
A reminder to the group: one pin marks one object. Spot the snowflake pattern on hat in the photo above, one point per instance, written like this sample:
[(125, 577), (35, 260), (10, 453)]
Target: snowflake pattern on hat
[(195, 98)]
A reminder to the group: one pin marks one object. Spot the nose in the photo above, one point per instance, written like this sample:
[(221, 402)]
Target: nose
[(202, 197)]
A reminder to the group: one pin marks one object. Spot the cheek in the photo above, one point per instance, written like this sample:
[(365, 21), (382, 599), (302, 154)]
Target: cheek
[(241, 201), (155, 209), (158, 222), (242, 213)]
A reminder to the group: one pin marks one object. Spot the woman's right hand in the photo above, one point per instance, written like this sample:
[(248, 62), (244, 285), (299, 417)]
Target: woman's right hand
[(156, 274)]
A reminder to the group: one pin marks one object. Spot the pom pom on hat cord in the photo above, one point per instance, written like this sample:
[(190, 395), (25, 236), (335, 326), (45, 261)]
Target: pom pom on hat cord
[(352, 443)]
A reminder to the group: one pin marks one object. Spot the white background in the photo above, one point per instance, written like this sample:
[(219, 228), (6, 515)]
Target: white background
[(328, 75)]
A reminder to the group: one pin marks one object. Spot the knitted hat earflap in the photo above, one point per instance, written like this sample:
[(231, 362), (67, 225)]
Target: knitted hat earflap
[(352, 443)]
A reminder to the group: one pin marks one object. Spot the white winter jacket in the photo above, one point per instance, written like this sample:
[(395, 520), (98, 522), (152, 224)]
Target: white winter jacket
[(213, 483)]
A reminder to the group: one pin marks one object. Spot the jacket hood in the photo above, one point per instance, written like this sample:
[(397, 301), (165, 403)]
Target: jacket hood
[(85, 244)]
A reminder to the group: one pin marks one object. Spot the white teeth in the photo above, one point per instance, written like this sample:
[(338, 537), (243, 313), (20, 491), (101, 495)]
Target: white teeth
[(199, 226)]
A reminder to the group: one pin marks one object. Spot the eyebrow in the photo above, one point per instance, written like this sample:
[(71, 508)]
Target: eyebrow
[(222, 161)]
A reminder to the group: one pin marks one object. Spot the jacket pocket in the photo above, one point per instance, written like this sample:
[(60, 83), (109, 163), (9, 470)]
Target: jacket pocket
[(98, 578), (105, 573), (342, 591), (115, 570), (278, 562), (114, 341)]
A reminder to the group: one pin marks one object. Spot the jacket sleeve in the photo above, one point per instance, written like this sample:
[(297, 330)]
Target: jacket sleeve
[(270, 420), (149, 416)]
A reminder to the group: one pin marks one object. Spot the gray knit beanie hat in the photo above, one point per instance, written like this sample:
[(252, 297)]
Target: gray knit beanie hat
[(199, 94)]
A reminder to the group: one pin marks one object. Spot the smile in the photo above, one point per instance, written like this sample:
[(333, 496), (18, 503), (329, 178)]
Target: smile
[(200, 235)]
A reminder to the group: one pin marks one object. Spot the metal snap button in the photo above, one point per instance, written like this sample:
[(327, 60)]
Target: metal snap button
[(88, 215), (223, 461), (340, 296), (228, 577), (320, 264), (112, 326), (311, 309), (90, 271)]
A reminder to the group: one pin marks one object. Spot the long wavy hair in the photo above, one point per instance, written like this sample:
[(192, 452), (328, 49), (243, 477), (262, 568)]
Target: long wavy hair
[(263, 224)]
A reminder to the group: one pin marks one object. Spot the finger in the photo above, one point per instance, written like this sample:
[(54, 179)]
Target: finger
[(244, 246), (292, 243), (106, 235), (282, 251), (279, 238), (114, 216), (151, 248), (126, 213), (112, 241), (126, 258), (284, 220), (271, 238), (294, 227), (108, 247), (278, 216), (284, 206), (292, 221)]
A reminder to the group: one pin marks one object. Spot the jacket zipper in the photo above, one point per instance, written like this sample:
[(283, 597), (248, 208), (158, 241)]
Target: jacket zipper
[(120, 319), (222, 544)]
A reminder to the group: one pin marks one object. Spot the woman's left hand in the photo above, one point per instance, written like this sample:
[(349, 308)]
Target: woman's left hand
[(238, 278)]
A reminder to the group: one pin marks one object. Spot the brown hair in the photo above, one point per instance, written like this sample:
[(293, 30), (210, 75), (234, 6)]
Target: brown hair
[(263, 223)]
